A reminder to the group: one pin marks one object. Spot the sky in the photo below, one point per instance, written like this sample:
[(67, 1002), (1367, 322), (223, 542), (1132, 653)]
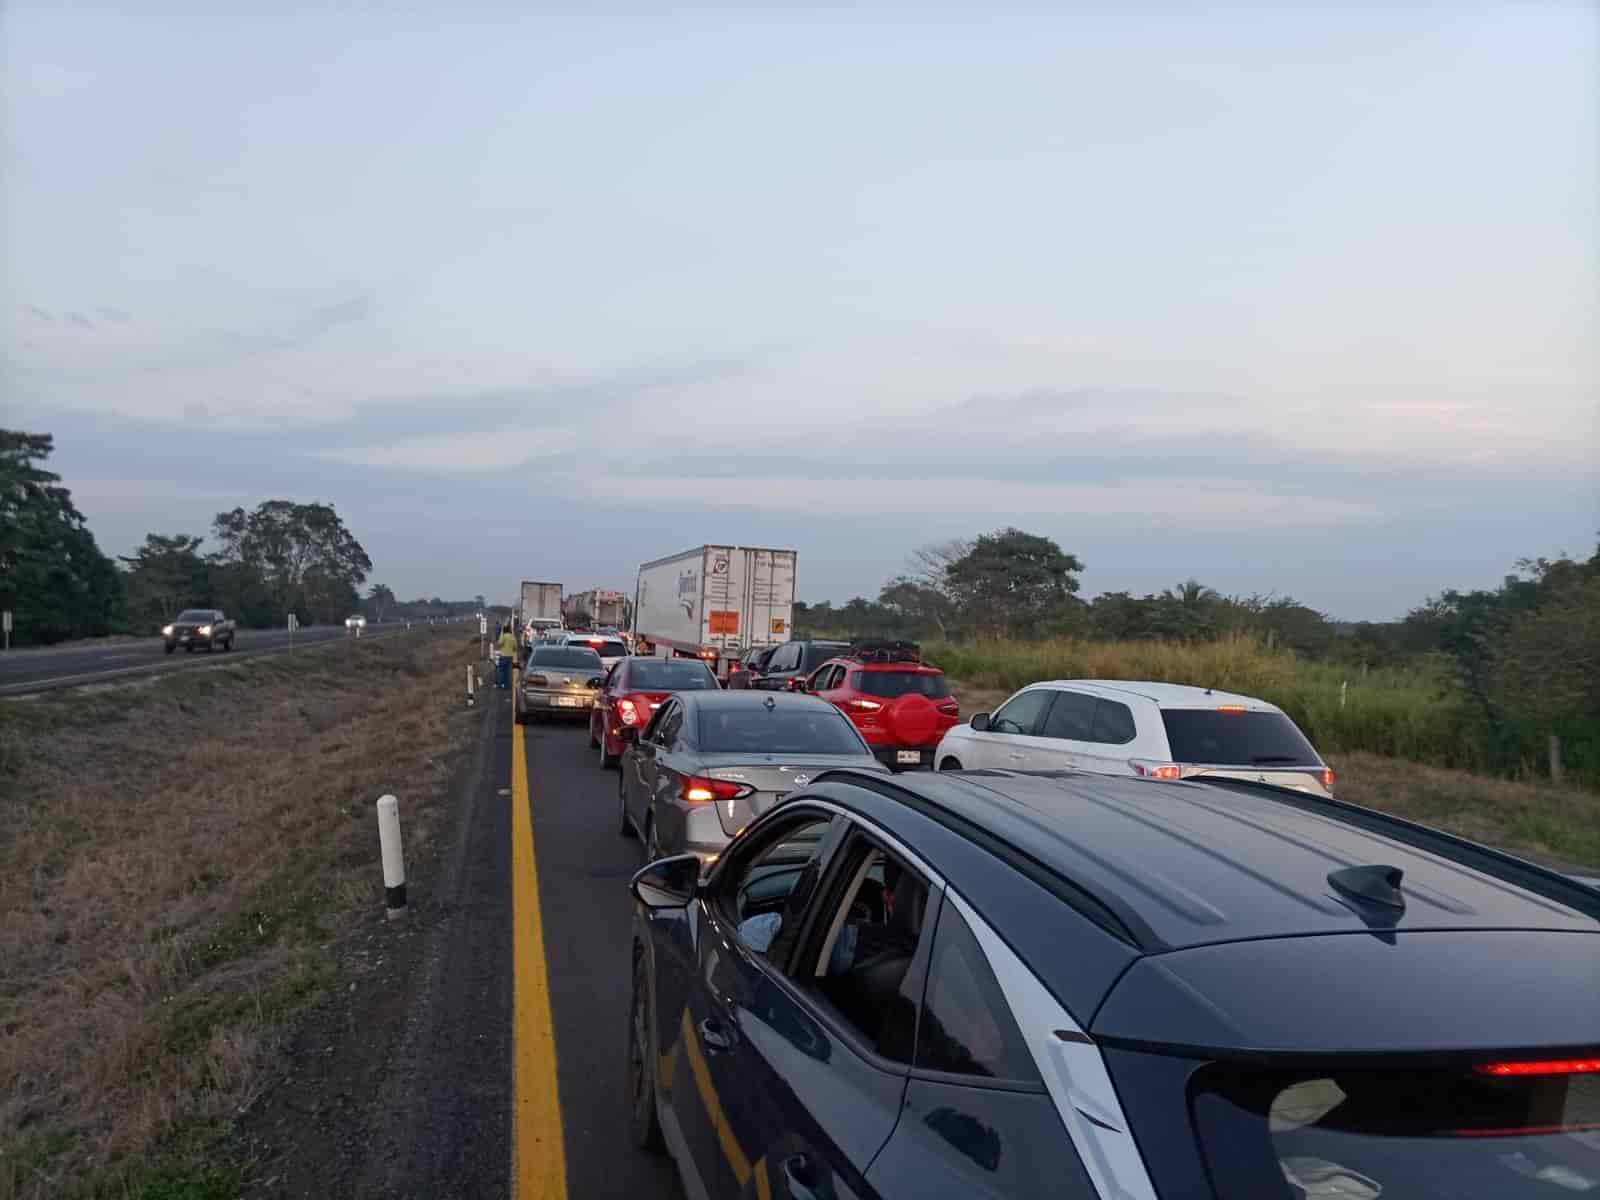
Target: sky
[(1293, 299)]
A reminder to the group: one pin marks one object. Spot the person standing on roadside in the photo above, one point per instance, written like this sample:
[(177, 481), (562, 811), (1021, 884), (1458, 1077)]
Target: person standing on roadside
[(505, 654)]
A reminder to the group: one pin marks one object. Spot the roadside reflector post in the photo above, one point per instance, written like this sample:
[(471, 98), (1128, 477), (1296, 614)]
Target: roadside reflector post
[(471, 675), (394, 867), (1343, 687)]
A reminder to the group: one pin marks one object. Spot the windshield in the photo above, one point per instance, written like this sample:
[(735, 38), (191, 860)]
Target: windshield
[(1405, 1135), (782, 729), (607, 649), (900, 683), (669, 675), (1251, 739), (571, 658), (197, 614)]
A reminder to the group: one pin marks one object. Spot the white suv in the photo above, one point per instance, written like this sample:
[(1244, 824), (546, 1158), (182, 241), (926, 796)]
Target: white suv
[(1157, 730)]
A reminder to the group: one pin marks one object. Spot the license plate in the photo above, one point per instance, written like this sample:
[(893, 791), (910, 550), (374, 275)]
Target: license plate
[(565, 701), (908, 756)]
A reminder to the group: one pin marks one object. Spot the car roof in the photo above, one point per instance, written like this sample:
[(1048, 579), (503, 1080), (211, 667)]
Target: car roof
[(1167, 695)]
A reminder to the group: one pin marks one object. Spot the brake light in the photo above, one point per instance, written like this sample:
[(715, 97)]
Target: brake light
[(697, 789), (1155, 770), (708, 655), (1542, 1066), (865, 706), (1233, 708), (1327, 776), (626, 712)]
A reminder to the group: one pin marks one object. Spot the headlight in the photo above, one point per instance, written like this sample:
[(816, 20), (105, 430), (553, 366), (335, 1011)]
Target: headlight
[(166, 631), (204, 631)]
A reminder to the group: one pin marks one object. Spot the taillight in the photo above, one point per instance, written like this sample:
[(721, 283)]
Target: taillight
[(1327, 776), (863, 706), (1231, 708), (626, 712), (697, 789), (535, 680), (1543, 1066), (1155, 770)]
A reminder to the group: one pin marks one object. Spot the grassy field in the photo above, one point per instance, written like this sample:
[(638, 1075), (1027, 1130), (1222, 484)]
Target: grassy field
[(176, 857)]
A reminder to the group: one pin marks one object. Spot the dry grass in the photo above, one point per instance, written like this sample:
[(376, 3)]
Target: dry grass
[(174, 860), (1545, 823)]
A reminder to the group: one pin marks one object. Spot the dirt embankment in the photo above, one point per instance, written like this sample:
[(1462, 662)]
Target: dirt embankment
[(179, 859)]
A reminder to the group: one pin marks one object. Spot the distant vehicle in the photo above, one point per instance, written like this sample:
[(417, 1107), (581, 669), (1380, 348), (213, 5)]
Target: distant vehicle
[(713, 601), (791, 664), (611, 650), (558, 680), (633, 692), (901, 705), (355, 622), (596, 609), (205, 627), (1154, 730), (750, 666), (538, 608), (1014, 986), (709, 762)]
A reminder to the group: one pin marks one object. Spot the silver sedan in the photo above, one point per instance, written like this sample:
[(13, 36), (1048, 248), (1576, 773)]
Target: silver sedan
[(558, 680), (709, 763)]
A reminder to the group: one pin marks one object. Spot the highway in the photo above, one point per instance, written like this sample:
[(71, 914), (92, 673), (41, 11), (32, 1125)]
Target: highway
[(40, 670)]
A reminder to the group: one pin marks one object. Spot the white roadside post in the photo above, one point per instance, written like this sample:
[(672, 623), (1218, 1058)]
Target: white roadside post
[(5, 623), (294, 623), (471, 674), (394, 866)]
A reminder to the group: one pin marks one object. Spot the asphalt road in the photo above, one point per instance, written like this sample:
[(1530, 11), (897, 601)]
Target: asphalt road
[(23, 671)]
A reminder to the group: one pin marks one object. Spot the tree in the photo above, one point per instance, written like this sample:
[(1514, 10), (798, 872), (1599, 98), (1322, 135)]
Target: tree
[(919, 606), (162, 576), (305, 558), (53, 577), (1011, 582), (380, 599)]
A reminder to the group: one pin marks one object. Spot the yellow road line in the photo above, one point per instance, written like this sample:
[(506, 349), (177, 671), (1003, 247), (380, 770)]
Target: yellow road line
[(538, 1153), (731, 1149)]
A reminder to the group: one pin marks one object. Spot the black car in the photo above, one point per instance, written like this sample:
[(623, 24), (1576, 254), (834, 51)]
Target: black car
[(196, 627), (1005, 985), (749, 670), (791, 663)]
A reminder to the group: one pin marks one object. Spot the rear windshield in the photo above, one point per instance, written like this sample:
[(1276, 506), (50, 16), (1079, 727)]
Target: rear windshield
[(1254, 739), (900, 683), (608, 649), (669, 675), (196, 614), (1359, 1135), (782, 729), (575, 658)]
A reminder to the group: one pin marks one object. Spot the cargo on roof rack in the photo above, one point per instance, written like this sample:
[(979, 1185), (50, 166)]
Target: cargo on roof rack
[(885, 651)]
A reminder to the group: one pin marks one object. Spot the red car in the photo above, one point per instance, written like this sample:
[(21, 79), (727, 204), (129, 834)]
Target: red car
[(898, 703), (634, 690)]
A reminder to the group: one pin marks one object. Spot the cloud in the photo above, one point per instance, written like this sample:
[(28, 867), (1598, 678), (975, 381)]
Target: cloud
[(468, 454), (78, 319), (119, 315), (44, 314)]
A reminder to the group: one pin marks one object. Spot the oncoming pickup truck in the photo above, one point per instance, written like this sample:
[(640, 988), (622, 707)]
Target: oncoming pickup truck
[(208, 627)]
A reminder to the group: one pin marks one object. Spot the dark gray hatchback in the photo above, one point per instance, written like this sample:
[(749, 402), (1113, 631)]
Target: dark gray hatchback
[(986, 983)]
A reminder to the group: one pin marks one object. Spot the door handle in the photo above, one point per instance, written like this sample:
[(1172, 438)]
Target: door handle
[(715, 1035), (1017, 756), (800, 1178)]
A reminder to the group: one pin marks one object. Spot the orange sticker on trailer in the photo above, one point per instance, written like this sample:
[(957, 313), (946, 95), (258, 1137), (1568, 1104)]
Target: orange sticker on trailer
[(779, 624), (724, 620)]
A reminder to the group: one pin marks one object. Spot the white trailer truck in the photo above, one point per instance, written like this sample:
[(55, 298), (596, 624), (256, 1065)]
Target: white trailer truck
[(715, 603), (538, 608), (598, 608)]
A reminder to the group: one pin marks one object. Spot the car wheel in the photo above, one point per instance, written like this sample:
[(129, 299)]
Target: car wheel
[(642, 1062), (170, 647), (189, 649), (950, 764), (227, 645)]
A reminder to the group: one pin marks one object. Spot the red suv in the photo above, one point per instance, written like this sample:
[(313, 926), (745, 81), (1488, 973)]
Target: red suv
[(633, 691), (898, 703)]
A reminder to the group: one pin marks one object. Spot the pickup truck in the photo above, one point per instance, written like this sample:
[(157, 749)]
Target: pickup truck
[(208, 627)]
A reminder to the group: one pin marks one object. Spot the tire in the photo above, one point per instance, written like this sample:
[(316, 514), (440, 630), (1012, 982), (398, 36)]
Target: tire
[(950, 764), (227, 646), (189, 649), (171, 646), (643, 1123)]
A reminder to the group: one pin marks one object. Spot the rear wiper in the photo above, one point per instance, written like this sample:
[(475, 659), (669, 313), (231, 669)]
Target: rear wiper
[(1279, 758)]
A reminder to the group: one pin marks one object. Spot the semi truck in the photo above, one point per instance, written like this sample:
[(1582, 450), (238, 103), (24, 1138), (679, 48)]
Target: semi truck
[(715, 603), (598, 608), (538, 608)]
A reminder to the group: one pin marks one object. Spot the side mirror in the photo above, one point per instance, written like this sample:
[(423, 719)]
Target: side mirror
[(667, 882), (979, 722), (596, 681)]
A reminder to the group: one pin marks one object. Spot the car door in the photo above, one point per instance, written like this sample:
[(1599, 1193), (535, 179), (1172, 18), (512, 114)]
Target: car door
[(640, 768), (615, 685), (825, 682), (817, 1029), (1066, 734), (784, 662), (1012, 740)]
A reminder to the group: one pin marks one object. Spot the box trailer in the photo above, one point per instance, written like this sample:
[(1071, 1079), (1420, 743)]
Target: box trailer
[(538, 608), (716, 603), (596, 608)]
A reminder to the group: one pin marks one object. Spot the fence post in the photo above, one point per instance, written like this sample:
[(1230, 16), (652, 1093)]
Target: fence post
[(1343, 687), (471, 676), (1555, 759), (394, 867)]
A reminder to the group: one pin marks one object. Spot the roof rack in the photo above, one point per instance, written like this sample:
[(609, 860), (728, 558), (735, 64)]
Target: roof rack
[(885, 651)]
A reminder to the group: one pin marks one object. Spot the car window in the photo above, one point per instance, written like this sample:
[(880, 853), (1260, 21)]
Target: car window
[(828, 678), (967, 1027), (1227, 737), (765, 890), (1113, 723), (668, 675), (1021, 714), (787, 658), (817, 653), (900, 683), (1071, 716), (668, 720), (565, 658), (606, 649), (781, 729), (866, 935)]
